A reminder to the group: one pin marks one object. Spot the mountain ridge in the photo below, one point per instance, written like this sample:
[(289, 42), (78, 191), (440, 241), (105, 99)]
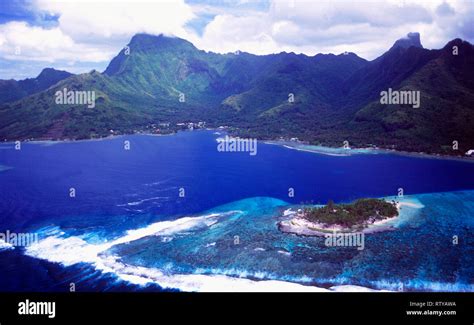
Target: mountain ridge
[(11, 90), (334, 95)]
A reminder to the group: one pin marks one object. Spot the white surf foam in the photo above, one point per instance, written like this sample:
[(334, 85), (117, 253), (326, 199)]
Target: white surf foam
[(73, 250), (156, 198), (353, 288), (422, 285), (4, 245), (199, 282), (215, 282)]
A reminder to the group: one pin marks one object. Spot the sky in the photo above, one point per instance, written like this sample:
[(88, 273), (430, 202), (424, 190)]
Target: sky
[(82, 35)]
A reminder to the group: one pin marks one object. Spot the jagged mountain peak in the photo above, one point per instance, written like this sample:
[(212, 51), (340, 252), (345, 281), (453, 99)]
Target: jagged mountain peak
[(51, 73), (151, 45), (412, 39), (144, 41)]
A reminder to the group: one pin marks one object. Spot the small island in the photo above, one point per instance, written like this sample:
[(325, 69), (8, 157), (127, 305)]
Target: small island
[(356, 216)]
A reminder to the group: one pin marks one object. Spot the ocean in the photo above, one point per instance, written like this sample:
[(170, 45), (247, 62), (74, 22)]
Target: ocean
[(174, 213)]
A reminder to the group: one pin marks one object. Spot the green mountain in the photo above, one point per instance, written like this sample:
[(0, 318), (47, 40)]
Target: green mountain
[(324, 99), (446, 113), (11, 90)]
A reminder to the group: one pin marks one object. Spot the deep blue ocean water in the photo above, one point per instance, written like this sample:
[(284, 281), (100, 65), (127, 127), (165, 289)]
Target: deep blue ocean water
[(119, 190)]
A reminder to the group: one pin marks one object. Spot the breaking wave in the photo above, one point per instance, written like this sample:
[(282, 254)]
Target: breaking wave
[(56, 247)]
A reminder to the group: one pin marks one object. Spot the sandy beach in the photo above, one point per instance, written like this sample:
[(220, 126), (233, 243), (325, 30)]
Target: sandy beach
[(300, 226)]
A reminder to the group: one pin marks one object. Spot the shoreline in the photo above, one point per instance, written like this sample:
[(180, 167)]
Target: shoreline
[(69, 140), (302, 227), (292, 145), (341, 152)]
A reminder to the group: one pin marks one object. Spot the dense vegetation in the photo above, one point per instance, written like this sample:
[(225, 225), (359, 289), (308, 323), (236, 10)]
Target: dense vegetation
[(336, 97), (348, 215), (11, 90)]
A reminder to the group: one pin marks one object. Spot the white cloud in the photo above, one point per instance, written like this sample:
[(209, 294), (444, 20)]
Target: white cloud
[(367, 28), (85, 19), (227, 33), (95, 30), (19, 41), (90, 31)]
